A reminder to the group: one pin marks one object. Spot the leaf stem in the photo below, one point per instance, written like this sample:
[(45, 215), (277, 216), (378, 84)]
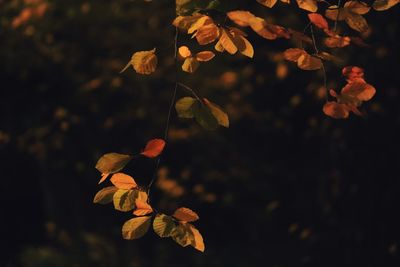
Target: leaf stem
[(190, 90)]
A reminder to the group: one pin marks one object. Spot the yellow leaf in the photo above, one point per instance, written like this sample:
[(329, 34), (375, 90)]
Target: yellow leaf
[(184, 52), (204, 56), (105, 195), (184, 107), (217, 112), (163, 225), (190, 65), (309, 5), (199, 23), (186, 215), (227, 43), (124, 200), (111, 163), (308, 62), (144, 62), (260, 27), (267, 3), (123, 181), (244, 46), (218, 47), (240, 17), (136, 228), (185, 22)]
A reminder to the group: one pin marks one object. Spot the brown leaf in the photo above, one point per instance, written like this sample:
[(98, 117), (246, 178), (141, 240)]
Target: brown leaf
[(240, 17)]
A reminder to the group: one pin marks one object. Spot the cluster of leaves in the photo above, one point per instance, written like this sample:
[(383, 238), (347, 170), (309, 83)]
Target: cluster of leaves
[(127, 196), (196, 19)]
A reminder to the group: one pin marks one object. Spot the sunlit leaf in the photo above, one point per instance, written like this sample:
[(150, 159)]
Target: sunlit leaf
[(190, 65), (136, 228), (267, 3), (184, 107), (185, 22), (356, 22), (227, 43), (185, 214), (308, 62), (144, 62), (153, 148), (105, 195), (123, 181), (198, 242), (381, 5), (182, 235), (207, 34), (337, 41), (163, 225), (293, 54), (353, 73), (360, 90), (357, 7), (309, 5), (241, 17), (124, 200), (199, 23), (204, 56), (142, 208), (318, 20), (335, 110), (184, 52), (244, 46), (218, 113), (112, 162)]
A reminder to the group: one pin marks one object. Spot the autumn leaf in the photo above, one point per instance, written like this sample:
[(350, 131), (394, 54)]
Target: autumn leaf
[(267, 30), (318, 20), (351, 13), (153, 148), (198, 242), (240, 17), (293, 54), (144, 62), (142, 208), (112, 163), (185, 22), (105, 195), (337, 41), (218, 113), (190, 65), (353, 73), (185, 214), (309, 5), (227, 43), (360, 90), (204, 56), (267, 3), (163, 225), (186, 234), (124, 200), (136, 228), (381, 5), (123, 181), (184, 107), (184, 52), (336, 110), (303, 59)]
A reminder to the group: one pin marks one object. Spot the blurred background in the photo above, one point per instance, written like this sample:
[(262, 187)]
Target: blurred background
[(283, 186)]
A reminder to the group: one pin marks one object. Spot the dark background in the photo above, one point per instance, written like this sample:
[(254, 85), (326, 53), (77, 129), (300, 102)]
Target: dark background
[(283, 186)]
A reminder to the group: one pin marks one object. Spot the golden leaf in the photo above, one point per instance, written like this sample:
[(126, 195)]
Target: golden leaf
[(309, 5), (190, 65), (144, 62), (308, 62), (240, 17), (267, 3), (136, 228)]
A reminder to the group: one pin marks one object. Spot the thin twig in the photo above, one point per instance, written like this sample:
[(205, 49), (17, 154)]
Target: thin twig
[(322, 62), (190, 90), (338, 14), (171, 105)]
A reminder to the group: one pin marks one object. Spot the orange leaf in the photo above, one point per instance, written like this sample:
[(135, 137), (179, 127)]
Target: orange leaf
[(123, 181), (186, 215), (337, 41), (207, 34), (184, 52), (153, 148), (293, 54), (142, 208), (240, 17), (205, 56), (103, 177), (360, 90), (353, 73), (318, 20), (336, 110)]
